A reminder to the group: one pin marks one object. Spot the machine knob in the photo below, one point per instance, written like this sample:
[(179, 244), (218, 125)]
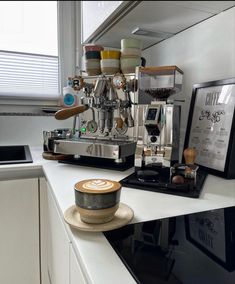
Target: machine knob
[(190, 155), (153, 139)]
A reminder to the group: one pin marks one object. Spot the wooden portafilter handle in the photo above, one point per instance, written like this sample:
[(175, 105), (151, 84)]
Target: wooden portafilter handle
[(190, 155), (119, 122), (68, 112)]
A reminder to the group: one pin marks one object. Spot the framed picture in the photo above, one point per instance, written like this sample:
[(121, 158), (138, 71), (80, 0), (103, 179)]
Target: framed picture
[(211, 127), (211, 232)]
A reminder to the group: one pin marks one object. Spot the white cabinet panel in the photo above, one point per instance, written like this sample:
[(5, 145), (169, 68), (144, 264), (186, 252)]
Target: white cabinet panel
[(94, 13), (58, 256), (44, 231), (207, 6), (155, 16), (76, 274), (19, 237), (58, 245)]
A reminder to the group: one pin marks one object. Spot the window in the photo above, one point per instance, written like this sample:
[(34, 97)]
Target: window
[(32, 49), (28, 49)]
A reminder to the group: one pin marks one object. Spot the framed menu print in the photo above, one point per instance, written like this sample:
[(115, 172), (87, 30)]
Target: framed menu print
[(211, 232), (211, 127)]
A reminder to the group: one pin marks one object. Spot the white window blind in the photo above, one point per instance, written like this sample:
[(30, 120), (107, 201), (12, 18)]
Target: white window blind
[(29, 60), (28, 75)]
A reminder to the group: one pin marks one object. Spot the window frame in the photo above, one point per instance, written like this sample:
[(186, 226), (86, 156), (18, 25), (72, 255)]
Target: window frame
[(67, 38)]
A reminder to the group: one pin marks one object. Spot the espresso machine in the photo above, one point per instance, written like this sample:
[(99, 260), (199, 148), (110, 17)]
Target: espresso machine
[(102, 136)]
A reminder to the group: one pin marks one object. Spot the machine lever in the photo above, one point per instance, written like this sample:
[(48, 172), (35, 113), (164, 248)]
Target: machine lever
[(68, 112)]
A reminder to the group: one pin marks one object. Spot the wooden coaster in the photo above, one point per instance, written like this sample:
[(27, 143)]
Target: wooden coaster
[(55, 156), (122, 217)]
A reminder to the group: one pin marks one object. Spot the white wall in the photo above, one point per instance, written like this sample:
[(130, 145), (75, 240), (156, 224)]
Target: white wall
[(19, 130), (204, 52)]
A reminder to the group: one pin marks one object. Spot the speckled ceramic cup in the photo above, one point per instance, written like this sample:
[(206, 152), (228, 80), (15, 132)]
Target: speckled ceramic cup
[(97, 200)]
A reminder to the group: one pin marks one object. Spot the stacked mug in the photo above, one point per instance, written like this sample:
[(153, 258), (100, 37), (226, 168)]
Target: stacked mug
[(130, 54), (92, 59), (110, 61)]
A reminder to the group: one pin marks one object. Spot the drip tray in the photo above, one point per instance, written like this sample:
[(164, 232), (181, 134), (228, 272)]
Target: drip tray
[(162, 183), (101, 162)]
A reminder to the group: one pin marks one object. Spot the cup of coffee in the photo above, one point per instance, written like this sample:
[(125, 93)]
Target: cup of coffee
[(97, 200)]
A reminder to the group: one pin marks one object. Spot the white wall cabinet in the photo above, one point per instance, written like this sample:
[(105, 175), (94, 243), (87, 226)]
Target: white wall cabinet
[(108, 24), (102, 14), (19, 237), (98, 11)]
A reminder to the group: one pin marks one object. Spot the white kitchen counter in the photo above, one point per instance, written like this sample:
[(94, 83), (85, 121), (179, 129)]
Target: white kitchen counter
[(97, 257)]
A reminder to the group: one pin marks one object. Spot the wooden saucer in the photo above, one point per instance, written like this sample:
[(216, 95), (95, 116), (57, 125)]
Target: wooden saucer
[(122, 217)]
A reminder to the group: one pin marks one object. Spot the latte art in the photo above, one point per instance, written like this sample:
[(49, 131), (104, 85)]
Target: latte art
[(98, 185)]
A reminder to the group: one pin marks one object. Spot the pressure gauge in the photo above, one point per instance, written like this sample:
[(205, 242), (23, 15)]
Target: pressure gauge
[(92, 126), (121, 130), (119, 81)]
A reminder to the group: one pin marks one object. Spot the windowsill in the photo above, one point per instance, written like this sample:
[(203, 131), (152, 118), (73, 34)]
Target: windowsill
[(29, 102), (28, 110)]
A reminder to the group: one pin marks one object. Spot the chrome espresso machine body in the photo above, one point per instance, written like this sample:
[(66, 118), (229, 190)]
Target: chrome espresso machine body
[(102, 136)]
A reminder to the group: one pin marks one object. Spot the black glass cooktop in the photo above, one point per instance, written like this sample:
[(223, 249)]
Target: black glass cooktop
[(189, 249)]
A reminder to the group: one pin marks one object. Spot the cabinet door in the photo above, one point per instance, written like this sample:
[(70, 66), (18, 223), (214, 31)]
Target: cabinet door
[(76, 274), (44, 231), (98, 11), (19, 236), (58, 244), (100, 15)]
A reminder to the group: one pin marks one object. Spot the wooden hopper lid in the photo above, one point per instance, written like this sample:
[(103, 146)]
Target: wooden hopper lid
[(97, 186)]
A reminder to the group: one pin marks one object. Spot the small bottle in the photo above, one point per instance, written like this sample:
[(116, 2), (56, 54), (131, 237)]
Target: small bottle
[(69, 98)]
